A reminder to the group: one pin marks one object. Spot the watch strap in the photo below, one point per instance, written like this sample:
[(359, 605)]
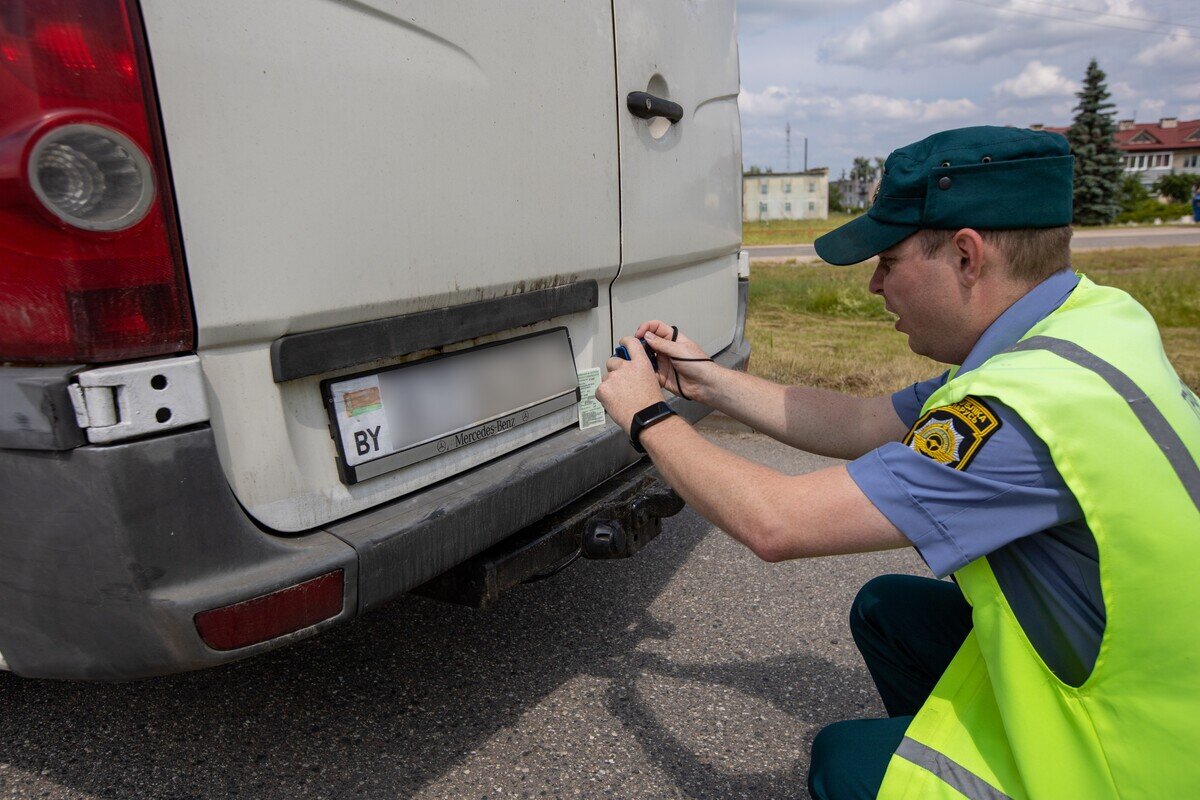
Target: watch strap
[(650, 415)]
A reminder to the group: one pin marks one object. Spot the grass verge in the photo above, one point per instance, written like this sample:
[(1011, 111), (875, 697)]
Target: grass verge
[(804, 231), (818, 325), (790, 231)]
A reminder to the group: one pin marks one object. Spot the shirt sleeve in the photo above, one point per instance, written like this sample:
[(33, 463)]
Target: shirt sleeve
[(1010, 489), (909, 401)]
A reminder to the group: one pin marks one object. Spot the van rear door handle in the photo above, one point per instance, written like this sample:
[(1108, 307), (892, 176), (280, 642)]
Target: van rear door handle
[(645, 105)]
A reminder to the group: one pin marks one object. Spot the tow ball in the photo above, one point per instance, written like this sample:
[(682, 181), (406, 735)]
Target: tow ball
[(635, 524), (615, 520)]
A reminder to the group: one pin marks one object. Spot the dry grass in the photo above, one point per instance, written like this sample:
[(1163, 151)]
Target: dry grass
[(803, 231), (818, 325), (790, 231)]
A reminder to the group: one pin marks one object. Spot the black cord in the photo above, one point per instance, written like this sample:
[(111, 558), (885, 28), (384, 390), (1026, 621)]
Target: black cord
[(554, 570), (678, 385)]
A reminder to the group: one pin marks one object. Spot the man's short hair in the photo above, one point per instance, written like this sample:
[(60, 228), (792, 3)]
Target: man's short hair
[(1033, 254)]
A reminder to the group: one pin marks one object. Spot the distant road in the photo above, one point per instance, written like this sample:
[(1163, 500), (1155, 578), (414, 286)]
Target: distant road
[(1083, 240), (1137, 237)]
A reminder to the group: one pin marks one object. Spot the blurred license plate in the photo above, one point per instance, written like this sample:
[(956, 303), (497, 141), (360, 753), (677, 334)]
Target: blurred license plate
[(395, 417)]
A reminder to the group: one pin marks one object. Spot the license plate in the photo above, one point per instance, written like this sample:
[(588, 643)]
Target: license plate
[(395, 417)]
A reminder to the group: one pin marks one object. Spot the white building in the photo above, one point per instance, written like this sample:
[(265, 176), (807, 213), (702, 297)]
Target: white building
[(857, 194), (1150, 150), (786, 195)]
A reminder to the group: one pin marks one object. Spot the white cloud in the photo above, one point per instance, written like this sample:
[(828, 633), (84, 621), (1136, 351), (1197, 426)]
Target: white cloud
[(1023, 115), (774, 101), (874, 106), (847, 74), (916, 33), (864, 107), (1035, 81), (1179, 49), (1062, 111), (1150, 108), (1122, 90), (757, 15), (1131, 102)]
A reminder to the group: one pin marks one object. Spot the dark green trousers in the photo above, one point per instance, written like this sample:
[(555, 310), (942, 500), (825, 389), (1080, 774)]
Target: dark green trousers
[(907, 629)]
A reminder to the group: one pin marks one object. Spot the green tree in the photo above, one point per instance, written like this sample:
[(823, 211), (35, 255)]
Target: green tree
[(1133, 193), (754, 170), (835, 198), (1176, 188), (862, 169), (1098, 169)]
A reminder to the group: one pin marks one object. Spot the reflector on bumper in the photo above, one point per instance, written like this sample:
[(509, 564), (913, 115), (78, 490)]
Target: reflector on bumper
[(270, 615)]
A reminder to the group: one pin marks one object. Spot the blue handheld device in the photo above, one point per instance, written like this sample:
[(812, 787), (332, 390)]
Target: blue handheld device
[(621, 352)]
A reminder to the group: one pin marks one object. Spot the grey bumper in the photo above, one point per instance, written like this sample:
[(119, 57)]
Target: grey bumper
[(107, 553)]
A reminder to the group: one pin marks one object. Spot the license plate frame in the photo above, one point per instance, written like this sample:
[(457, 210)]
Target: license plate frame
[(358, 404)]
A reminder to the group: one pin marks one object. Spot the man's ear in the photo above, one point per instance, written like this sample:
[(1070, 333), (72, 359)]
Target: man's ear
[(967, 248)]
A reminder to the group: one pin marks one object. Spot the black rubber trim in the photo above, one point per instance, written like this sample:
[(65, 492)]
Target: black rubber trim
[(300, 355)]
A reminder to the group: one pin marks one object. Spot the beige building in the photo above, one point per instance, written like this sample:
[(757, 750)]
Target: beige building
[(786, 195)]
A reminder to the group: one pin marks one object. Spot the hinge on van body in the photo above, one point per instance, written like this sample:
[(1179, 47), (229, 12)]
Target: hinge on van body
[(743, 265), (130, 400)]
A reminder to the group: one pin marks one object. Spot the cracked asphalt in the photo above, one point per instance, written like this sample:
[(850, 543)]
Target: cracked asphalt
[(692, 670)]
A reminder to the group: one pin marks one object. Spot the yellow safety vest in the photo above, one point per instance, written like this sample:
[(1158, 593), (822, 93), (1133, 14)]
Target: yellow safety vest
[(1093, 383)]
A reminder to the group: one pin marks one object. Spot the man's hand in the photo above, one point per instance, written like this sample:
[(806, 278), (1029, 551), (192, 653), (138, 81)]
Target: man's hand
[(629, 386), (692, 377)]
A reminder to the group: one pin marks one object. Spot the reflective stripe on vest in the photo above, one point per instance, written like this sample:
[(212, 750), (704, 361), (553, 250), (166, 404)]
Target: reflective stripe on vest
[(1092, 381), (1168, 440), (1151, 418), (949, 771)]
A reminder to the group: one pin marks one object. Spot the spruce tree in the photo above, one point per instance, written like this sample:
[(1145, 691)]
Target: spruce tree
[(1098, 168)]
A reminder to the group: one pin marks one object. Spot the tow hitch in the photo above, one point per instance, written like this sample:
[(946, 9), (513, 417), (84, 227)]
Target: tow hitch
[(615, 520), (622, 529)]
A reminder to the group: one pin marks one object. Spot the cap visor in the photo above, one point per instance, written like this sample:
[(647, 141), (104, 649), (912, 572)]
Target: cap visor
[(860, 239)]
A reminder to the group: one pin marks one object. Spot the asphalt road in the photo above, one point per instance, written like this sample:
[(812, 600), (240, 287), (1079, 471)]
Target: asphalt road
[(691, 670), (1082, 240)]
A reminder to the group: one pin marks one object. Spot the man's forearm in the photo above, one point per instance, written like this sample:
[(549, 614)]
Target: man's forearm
[(777, 516), (817, 420)]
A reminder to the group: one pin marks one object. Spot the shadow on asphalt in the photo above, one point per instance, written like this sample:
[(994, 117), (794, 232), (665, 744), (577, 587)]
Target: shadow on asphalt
[(696, 776), (395, 699)]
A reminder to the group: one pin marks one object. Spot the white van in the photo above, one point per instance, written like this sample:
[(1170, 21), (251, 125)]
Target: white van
[(296, 295)]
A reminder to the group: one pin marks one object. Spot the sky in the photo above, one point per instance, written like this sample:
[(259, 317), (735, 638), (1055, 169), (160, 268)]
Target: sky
[(864, 77)]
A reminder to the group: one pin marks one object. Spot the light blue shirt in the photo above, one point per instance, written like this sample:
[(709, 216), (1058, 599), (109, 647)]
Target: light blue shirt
[(1009, 503)]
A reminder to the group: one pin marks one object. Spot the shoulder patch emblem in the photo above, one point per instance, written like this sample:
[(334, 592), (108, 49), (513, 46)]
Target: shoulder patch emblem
[(953, 434)]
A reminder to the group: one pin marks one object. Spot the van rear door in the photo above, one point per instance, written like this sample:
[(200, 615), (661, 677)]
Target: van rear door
[(341, 162), (680, 182)]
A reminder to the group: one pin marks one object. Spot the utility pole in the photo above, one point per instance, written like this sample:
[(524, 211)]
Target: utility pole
[(788, 129), (806, 154)]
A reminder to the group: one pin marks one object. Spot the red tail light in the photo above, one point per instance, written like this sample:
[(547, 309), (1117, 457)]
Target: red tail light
[(272, 615), (90, 264)]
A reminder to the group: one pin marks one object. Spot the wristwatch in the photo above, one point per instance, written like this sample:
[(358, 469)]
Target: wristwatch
[(650, 415)]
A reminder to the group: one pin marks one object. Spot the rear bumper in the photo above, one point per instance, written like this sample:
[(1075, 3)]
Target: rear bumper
[(107, 553)]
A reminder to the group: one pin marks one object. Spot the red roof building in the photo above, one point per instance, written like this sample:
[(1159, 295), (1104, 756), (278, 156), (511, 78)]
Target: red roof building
[(1154, 149)]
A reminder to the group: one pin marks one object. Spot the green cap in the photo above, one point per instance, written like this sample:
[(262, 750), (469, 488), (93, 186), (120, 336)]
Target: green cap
[(986, 178)]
